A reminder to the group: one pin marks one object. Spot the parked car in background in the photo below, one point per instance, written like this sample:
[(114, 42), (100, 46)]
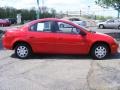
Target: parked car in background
[(47, 36), (78, 21), (4, 22), (112, 23), (12, 20)]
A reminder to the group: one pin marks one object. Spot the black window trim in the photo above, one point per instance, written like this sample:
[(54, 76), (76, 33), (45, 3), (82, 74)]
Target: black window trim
[(53, 26)]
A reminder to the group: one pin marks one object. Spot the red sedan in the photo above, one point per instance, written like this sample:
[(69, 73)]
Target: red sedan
[(47, 36), (4, 22)]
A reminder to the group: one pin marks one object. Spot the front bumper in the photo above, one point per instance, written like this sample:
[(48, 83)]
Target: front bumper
[(114, 48)]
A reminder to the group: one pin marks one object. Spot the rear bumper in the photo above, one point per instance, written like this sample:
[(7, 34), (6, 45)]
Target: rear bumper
[(6, 44)]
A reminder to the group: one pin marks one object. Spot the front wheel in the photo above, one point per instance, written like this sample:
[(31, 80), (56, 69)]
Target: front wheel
[(101, 26), (100, 51), (119, 27), (22, 51)]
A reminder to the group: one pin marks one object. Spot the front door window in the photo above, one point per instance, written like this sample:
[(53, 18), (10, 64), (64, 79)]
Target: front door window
[(67, 28)]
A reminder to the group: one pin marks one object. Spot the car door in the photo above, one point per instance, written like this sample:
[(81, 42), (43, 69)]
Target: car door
[(117, 23), (41, 37), (69, 40), (110, 24)]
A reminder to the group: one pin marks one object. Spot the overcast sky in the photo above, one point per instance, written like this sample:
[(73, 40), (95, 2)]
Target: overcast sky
[(62, 5)]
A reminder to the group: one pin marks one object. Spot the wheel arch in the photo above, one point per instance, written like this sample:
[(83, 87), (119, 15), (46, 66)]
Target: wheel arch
[(102, 25), (100, 42), (20, 42), (118, 27)]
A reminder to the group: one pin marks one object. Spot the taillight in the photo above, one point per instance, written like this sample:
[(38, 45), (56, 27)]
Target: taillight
[(4, 32)]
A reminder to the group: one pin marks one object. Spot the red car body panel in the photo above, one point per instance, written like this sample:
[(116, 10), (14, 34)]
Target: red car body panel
[(50, 42)]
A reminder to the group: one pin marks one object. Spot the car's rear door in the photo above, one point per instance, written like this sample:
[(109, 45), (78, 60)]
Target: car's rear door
[(110, 24), (41, 37)]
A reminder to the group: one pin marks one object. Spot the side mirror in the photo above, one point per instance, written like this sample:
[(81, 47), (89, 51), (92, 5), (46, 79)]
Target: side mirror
[(83, 33)]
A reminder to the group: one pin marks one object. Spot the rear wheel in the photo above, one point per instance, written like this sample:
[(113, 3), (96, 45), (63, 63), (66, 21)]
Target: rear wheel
[(101, 26), (100, 51), (119, 27), (23, 51)]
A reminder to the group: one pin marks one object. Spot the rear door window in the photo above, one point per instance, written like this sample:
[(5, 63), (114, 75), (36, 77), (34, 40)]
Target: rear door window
[(41, 27)]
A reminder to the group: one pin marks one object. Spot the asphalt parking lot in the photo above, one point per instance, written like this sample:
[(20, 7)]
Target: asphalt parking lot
[(41, 72), (47, 72), (58, 72)]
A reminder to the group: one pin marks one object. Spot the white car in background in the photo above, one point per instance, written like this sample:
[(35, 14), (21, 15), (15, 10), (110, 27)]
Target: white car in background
[(112, 23), (76, 21)]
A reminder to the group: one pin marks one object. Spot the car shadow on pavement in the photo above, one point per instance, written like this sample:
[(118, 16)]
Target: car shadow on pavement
[(62, 57), (56, 56), (115, 57)]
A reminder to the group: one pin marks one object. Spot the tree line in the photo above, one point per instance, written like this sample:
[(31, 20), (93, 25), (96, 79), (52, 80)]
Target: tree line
[(27, 14), (109, 3)]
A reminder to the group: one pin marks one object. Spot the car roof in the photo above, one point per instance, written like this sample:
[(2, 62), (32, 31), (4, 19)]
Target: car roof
[(50, 19), (53, 19)]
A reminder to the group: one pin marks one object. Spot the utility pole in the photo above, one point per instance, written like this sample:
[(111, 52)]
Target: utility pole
[(80, 13), (42, 6), (38, 10), (88, 10)]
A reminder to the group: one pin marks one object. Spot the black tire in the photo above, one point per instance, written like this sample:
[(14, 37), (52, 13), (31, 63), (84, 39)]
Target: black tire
[(119, 27), (101, 26), (101, 54), (27, 52)]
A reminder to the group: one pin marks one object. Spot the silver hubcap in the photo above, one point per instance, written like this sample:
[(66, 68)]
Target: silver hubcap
[(100, 52), (101, 26), (22, 51)]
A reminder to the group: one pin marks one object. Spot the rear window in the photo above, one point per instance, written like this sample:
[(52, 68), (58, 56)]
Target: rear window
[(41, 26)]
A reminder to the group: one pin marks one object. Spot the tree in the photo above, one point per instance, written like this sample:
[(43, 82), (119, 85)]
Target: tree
[(27, 14), (110, 3), (53, 12)]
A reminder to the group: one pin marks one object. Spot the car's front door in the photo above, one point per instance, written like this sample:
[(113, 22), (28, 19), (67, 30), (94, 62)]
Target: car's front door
[(69, 41)]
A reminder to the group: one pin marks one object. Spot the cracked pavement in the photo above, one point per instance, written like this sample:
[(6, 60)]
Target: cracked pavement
[(104, 75)]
